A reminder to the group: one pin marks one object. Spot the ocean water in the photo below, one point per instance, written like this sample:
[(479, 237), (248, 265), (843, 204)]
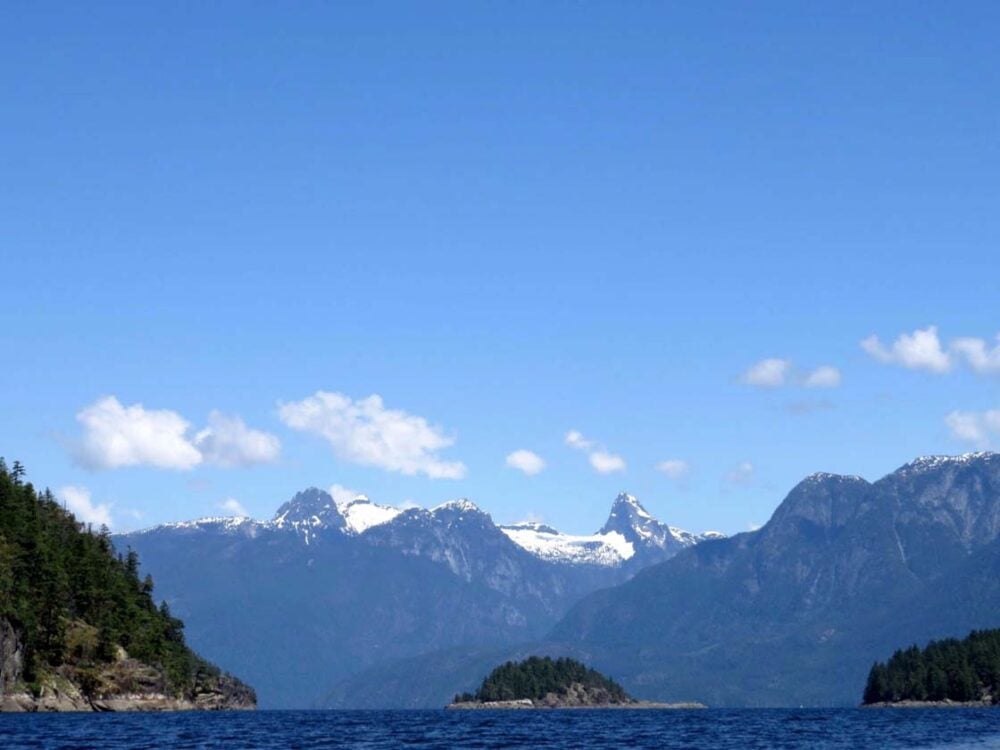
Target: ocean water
[(710, 729)]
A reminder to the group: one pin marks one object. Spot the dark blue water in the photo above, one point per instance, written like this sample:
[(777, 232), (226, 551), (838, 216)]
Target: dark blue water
[(712, 729)]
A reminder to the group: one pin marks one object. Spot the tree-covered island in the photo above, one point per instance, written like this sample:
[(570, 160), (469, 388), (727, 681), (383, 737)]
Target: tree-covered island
[(543, 682), (946, 672)]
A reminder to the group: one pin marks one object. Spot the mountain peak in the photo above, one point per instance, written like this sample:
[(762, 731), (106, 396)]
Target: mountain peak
[(637, 526), (826, 500), (462, 505), (924, 463), (625, 500), (310, 507), (629, 518)]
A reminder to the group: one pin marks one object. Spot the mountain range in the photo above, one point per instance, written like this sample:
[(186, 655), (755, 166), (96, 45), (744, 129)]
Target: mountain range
[(324, 590), (796, 612), (363, 606)]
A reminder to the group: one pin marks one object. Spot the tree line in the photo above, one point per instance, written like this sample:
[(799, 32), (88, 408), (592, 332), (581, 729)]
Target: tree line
[(536, 677), (73, 600), (952, 669)]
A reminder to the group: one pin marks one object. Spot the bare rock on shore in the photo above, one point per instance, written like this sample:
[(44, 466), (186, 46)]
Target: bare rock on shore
[(576, 696), (123, 685), (985, 703)]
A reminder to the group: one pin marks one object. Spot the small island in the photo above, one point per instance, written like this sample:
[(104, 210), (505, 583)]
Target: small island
[(543, 682), (947, 673)]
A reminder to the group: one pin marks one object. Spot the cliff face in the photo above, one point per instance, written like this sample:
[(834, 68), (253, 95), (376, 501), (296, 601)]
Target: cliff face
[(11, 657), (123, 685)]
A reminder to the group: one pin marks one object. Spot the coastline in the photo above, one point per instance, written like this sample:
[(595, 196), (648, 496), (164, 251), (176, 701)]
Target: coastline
[(932, 704), (527, 704)]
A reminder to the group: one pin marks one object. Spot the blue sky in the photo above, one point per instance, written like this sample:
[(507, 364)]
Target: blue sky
[(508, 221)]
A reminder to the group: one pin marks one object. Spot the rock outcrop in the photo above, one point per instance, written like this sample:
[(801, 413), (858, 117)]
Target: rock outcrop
[(124, 685)]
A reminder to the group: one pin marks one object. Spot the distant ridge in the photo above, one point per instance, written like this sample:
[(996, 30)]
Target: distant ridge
[(325, 589), (630, 531)]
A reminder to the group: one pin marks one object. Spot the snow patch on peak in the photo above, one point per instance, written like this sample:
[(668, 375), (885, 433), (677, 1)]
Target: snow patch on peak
[(706, 535), (213, 523), (931, 462), (362, 514), (633, 503), (530, 526), (462, 506), (609, 549), (824, 476)]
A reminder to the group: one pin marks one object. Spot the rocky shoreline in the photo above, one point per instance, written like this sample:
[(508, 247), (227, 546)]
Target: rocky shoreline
[(72, 701), (122, 685), (530, 705), (57, 693), (933, 704)]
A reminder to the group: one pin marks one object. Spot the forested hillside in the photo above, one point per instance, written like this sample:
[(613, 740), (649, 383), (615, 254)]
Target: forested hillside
[(956, 670), (75, 607)]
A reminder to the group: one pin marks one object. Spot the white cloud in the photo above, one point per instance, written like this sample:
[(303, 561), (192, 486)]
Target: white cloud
[(365, 432), (606, 463), (526, 461), (920, 350), (229, 443), (78, 501), (776, 373), (825, 376), (923, 349), (768, 373), (117, 436), (979, 357), (974, 427), (602, 461), (575, 440), (233, 506), (742, 474), (674, 468), (342, 494)]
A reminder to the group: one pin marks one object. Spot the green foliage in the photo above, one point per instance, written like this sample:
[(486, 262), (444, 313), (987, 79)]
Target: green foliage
[(537, 676), (73, 601), (966, 670)]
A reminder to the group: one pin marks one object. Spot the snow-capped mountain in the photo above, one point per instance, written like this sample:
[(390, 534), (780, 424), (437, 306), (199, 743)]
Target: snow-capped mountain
[(630, 537), (639, 528), (308, 513), (335, 587), (630, 534)]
